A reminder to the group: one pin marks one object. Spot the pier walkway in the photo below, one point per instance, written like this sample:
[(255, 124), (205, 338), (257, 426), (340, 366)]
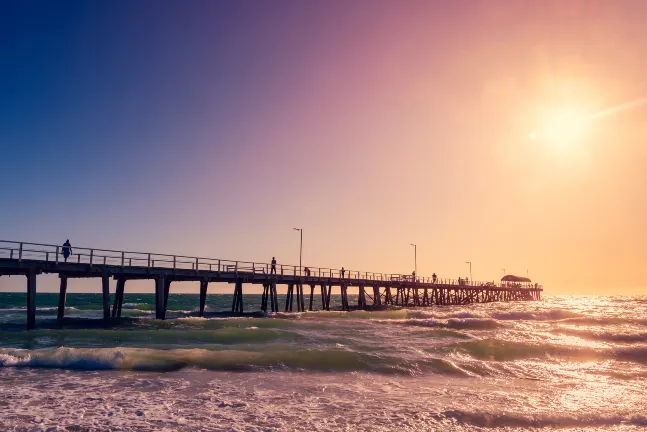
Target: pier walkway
[(375, 289)]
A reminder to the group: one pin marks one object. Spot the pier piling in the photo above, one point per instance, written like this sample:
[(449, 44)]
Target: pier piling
[(31, 298), (105, 291), (159, 297), (119, 298), (61, 298), (203, 295)]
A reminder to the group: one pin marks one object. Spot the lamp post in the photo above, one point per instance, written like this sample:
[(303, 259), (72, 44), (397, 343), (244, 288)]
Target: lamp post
[(415, 259), (300, 247), (470, 263)]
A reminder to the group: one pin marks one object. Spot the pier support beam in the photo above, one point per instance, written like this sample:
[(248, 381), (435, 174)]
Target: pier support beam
[(377, 299), (61, 298), (324, 304), (119, 298), (159, 296), (298, 299), (31, 299), (264, 297), (328, 297), (288, 298), (237, 303), (167, 289), (105, 291), (361, 298), (344, 297), (312, 294), (274, 298), (203, 296)]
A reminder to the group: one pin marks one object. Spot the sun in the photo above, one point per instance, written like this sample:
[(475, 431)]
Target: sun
[(562, 127)]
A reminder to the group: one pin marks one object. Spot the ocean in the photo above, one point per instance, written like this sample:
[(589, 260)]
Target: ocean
[(565, 363)]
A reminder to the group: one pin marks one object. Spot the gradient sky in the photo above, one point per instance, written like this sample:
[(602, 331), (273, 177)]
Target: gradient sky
[(213, 128)]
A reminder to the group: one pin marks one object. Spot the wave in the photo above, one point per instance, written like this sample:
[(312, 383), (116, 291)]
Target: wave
[(147, 359), (549, 315), (456, 324), (502, 350), (604, 321), (604, 336), (38, 309), (505, 420)]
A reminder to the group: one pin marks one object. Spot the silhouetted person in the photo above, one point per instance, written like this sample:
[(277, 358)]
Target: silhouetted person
[(342, 272), (307, 271), (413, 276), (433, 277), (273, 269), (67, 249)]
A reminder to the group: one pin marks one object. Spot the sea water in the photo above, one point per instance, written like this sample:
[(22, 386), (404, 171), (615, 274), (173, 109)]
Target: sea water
[(564, 363)]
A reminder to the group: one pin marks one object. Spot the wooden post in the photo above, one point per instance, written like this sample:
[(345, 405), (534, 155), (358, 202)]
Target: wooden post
[(303, 305), (119, 298), (159, 296), (264, 298), (105, 290), (239, 297), (361, 298), (167, 289), (328, 297), (312, 294), (377, 300), (323, 297), (298, 298), (31, 298), (234, 302), (203, 295), (61, 298), (288, 298), (274, 297)]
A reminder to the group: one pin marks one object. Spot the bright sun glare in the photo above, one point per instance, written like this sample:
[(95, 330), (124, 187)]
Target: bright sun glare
[(562, 127)]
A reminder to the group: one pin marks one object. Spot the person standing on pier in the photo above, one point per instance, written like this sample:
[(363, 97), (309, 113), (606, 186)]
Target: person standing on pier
[(342, 272), (307, 271), (433, 277), (67, 249), (273, 269)]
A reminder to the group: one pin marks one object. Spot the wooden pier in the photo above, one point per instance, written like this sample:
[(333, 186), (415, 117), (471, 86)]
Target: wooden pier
[(375, 289)]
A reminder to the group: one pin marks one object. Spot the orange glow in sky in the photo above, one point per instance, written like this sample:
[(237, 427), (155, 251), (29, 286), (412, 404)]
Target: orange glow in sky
[(505, 133)]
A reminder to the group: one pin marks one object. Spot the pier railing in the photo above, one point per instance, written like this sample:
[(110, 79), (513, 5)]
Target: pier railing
[(93, 256)]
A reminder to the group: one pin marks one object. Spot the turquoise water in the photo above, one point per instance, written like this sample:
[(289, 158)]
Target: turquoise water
[(565, 363)]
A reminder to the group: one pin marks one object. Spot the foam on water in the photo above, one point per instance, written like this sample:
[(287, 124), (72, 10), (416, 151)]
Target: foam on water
[(564, 363)]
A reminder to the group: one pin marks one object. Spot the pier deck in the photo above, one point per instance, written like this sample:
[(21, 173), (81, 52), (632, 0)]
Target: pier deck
[(375, 289)]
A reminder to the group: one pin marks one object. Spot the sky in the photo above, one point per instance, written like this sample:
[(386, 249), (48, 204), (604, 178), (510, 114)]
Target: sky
[(213, 128)]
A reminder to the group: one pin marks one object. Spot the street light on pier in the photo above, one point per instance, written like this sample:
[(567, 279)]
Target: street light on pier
[(470, 263), (415, 259), (300, 247)]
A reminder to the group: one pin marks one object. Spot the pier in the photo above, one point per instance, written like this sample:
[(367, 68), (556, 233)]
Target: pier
[(376, 290)]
